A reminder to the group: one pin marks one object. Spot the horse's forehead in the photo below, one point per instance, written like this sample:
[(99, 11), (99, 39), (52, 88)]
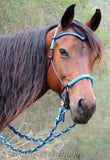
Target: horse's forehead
[(68, 40), (77, 49), (69, 29)]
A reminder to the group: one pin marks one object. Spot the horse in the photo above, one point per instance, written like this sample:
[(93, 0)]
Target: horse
[(26, 73)]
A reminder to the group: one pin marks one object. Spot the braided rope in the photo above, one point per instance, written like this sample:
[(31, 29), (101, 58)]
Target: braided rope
[(42, 141)]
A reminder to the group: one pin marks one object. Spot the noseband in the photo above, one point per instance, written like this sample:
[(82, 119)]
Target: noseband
[(55, 37)]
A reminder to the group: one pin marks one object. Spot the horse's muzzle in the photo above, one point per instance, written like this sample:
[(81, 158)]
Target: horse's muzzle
[(82, 113)]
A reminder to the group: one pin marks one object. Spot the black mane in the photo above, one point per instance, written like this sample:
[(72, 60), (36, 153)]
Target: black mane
[(22, 71)]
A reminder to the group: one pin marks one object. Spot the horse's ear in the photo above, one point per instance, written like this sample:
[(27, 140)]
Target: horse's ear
[(94, 21), (68, 16)]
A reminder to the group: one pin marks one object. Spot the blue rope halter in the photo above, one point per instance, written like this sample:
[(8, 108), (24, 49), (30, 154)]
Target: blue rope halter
[(63, 107), (55, 37)]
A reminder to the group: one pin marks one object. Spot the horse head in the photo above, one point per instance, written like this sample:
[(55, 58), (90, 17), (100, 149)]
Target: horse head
[(73, 57)]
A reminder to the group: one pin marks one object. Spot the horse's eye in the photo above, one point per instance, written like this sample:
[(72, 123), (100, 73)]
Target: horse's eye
[(63, 52)]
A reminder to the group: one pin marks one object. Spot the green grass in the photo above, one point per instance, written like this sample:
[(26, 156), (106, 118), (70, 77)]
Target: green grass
[(84, 142)]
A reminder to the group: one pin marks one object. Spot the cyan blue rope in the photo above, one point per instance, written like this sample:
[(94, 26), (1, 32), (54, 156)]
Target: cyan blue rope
[(55, 37), (42, 141), (24, 136), (72, 34), (79, 78), (58, 119)]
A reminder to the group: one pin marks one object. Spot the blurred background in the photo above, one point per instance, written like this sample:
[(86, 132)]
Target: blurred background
[(84, 142)]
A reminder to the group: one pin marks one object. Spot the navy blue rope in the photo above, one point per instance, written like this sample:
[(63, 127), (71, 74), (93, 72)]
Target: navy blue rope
[(24, 136), (43, 141)]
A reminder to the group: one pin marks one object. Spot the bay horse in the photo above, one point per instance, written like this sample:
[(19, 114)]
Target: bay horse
[(25, 75)]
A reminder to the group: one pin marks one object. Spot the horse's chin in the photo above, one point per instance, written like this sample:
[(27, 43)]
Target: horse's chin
[(78, 118)]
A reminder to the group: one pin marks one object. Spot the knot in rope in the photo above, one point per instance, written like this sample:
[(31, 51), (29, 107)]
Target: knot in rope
[(61, 115)]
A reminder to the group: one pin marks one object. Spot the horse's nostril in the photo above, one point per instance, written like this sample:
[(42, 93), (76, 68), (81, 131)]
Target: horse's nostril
[(81, 106)]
